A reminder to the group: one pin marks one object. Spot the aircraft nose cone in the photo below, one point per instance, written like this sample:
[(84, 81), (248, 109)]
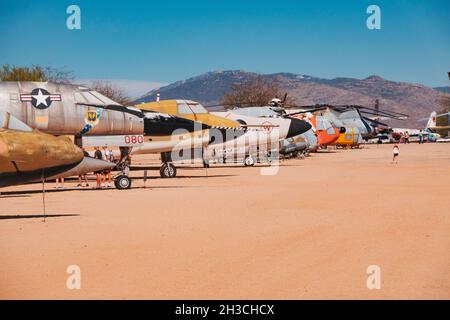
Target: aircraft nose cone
[(91, 164), (297, 127), (87, 165)]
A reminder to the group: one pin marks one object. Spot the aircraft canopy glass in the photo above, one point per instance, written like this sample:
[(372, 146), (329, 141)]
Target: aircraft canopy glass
[(93, 97), (197, 108), (190, 108), (183, 109)]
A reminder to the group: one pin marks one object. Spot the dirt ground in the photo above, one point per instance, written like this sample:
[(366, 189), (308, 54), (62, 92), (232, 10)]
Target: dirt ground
[(308, 232)]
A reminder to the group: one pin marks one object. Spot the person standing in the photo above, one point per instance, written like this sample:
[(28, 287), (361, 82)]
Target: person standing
[(420, 136), (395, 151), (406, 137), (60, 183), (83, 177), (98, 155), (109, 156)]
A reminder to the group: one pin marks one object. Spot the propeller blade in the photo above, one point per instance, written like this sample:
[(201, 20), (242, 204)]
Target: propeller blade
[(306, 109), (375, 121)]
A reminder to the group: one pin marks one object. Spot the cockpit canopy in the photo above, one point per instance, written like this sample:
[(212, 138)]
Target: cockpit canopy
[(88, 96), (190, 107)]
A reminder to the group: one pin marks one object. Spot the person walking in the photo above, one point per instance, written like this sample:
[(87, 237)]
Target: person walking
[(395, 151)]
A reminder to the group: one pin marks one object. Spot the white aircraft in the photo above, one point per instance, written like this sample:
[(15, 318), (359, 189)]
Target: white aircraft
[(263, 132), (428, 130)]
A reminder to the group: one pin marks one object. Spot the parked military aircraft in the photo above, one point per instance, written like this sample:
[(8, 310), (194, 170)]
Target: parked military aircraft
[(90, 117), (228, 132), (429, 132), (275, 129), (289, 130), (355, 123), (326, 133), (431, 125), (27, 155)]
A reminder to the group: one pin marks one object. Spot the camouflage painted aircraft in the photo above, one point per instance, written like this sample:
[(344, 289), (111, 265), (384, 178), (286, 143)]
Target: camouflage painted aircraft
[(27, 155)]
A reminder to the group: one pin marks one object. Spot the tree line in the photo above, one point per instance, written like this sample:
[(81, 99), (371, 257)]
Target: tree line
[(60, 75)]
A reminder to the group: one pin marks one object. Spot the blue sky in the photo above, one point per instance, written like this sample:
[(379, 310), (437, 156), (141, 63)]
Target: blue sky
[(165, 41)]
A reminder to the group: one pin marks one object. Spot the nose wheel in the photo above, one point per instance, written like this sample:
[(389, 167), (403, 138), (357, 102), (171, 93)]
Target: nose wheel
[(122, 182), (249, 161), (168, 170)]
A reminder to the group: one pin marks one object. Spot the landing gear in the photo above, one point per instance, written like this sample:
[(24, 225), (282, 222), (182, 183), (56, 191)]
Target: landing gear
[(301, 155), (249, 161), (168, 170), (122, 182)]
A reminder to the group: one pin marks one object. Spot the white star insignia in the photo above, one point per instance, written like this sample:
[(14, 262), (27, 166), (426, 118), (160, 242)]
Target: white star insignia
[(41, 98)]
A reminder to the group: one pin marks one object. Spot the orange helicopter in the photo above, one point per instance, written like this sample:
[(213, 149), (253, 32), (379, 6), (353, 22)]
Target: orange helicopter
[(325, 132)]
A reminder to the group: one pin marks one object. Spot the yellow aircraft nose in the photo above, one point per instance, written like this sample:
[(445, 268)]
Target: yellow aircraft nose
[(31, 151)]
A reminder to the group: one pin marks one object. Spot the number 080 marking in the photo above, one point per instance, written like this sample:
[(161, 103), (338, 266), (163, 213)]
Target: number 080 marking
[(134, 139)]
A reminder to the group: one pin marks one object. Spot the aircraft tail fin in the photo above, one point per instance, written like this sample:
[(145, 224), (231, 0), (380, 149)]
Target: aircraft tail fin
[(432, 120)]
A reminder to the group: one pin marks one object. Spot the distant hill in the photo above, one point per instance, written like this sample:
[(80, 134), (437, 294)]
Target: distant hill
[(443, 89), (416, 100)]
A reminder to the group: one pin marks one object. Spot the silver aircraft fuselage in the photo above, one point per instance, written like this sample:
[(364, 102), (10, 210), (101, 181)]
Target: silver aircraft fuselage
[(65, 109)]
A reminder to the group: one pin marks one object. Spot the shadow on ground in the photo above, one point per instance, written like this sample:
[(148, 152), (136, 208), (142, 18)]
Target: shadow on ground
[(34, 216)]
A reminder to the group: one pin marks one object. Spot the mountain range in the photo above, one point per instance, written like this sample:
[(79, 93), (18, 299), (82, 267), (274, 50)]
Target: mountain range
[(416, 100)]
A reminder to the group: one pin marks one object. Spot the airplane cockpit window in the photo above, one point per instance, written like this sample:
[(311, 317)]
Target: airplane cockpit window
[(328, 126), (319, 124), (103, 98), (183, 108), (330, 130), (93, 97), (7, 121), (197, 108), (334, 120)]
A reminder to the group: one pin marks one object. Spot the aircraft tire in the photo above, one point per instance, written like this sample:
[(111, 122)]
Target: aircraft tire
[(249, 161), (122, 182), (168, 170)]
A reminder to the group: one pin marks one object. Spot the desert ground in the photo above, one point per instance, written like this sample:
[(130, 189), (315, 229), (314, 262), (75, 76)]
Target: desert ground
[(308, 232)]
